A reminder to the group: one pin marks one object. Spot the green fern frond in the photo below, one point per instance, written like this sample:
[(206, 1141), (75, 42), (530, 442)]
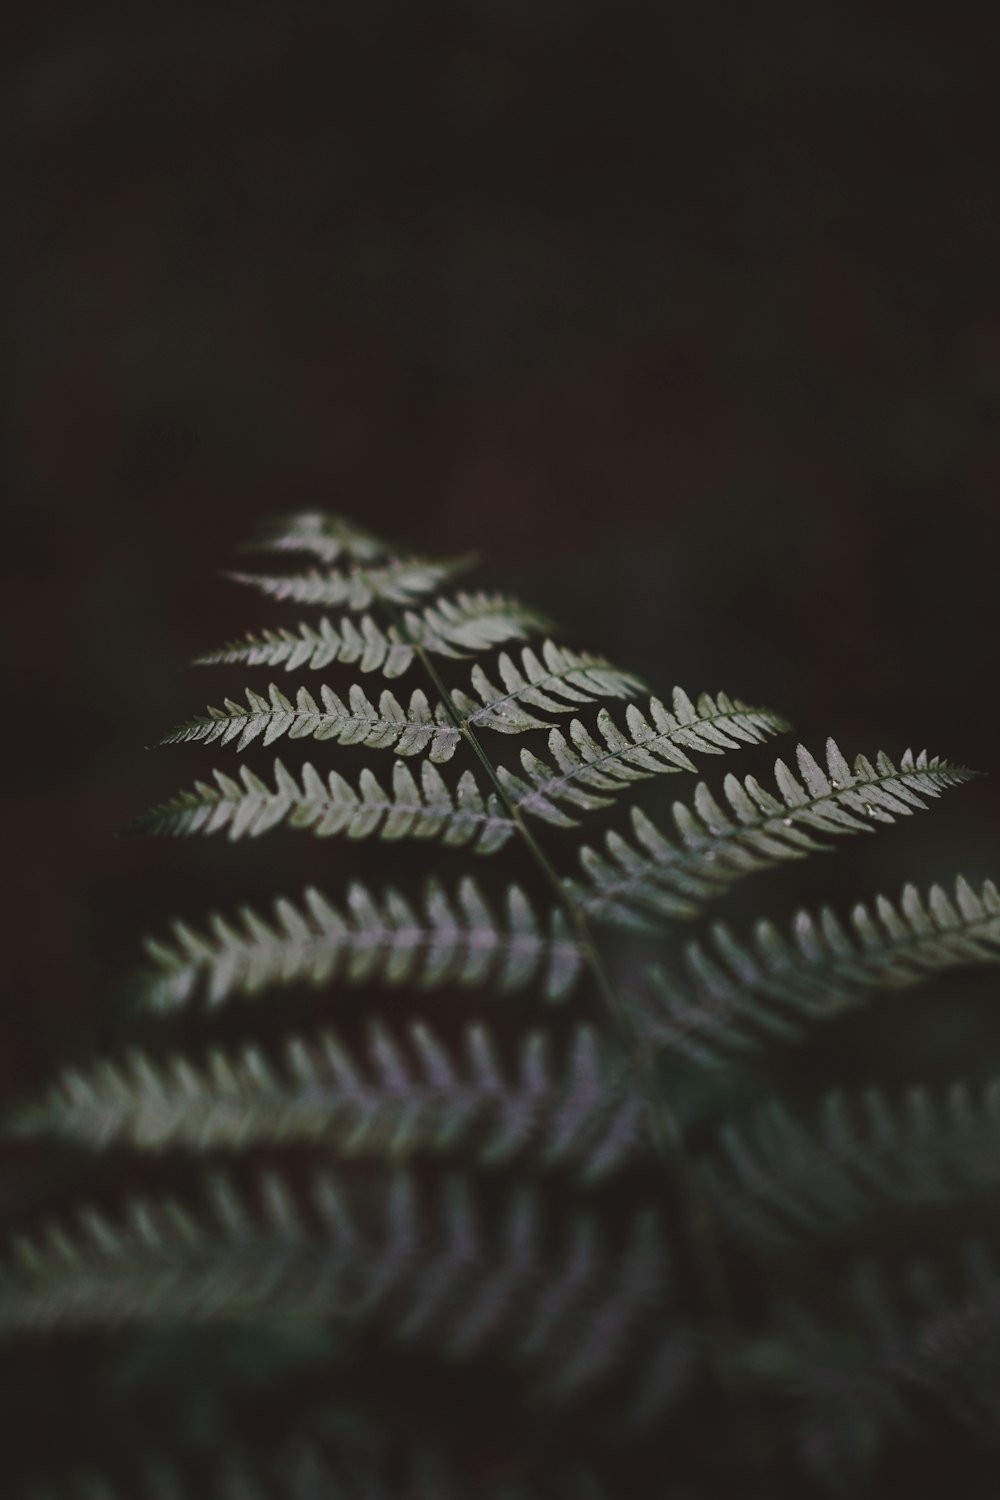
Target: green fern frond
[(589, 773), (450, 627), (501, 1189), (741, 994), (399, 581), (716, 846), (537, 1286), (412, 729), (400, 1101), (773, 1180), (320, 534), (247, 808), (385, 941)]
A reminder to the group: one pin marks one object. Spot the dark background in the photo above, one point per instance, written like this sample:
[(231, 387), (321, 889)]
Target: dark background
[(686, 316)]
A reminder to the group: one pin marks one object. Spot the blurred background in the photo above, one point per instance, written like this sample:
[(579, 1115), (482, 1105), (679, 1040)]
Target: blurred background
[(686, 317)]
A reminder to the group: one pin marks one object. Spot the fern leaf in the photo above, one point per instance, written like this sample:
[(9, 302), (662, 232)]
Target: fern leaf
[(537, 1287), (555, 682), (400, 1101), (320, 534), (449, 627), (740, 994), (364, 644), (716, 845), (412, 729), (471, 623), (399, 581), (248, 807), (588, 773), (383, 941), (773, 1180)]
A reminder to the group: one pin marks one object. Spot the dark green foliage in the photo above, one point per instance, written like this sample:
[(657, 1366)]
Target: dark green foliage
[(398, 1138)]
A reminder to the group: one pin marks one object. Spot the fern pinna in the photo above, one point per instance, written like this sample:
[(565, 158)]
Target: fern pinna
[(482, 1173)]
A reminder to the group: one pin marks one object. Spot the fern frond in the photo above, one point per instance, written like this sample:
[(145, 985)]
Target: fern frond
[(589, 773), (412, 729), (554, 683), (320, 534), (401, 580), (651, 876), (739, 994), (773, 1179), (449, 627), (384, 941), (400, 1101), (248, 807), (537, 1286)]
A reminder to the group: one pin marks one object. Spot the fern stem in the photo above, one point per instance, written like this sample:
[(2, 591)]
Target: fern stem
[(697, 1226)]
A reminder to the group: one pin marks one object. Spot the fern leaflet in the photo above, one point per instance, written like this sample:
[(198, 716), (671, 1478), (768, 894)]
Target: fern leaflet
[(400, 581), (448, 627), (559, 680), (410, 730), (249, 807), (773, 1180), (741, 993), (589, 773), (383, 941), (327, 537), (653, 876), (544, 1290), (920, 1333), (403, 1100)]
